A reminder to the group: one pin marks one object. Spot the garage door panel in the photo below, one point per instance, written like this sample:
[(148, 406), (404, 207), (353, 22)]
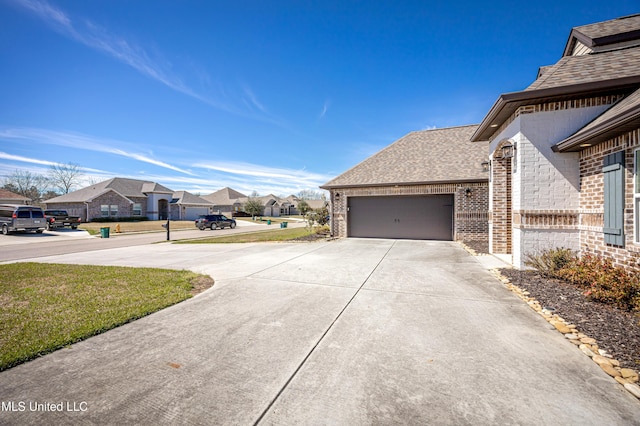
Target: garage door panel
[(192, 213), (411, 217)]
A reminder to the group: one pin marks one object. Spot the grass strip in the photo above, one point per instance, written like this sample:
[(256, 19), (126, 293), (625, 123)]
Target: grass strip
[(44, 307), (253, 237)]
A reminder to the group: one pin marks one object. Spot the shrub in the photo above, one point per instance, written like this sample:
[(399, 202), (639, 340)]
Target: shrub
[(600, 279), (550, 262)]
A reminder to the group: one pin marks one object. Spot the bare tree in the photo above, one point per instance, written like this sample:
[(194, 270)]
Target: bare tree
[(27, 184), (310, 194), (65, 176)]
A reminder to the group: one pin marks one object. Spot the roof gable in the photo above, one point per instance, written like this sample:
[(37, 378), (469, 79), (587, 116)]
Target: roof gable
[(185, 197), (224, 197), (594, 37), (8, 195), (125, 187), (427, 156), (597, 67)]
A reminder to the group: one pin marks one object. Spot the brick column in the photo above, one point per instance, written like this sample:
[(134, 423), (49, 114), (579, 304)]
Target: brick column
[(501, 198)]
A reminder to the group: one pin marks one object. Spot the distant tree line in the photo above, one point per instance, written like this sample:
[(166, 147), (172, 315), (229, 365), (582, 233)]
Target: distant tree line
[(61, 179)]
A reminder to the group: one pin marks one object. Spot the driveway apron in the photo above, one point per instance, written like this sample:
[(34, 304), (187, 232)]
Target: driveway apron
[(356, 331)]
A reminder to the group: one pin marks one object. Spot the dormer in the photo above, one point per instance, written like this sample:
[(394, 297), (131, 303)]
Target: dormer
[(602, 36)]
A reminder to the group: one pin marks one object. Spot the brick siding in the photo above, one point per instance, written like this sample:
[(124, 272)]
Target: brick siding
[(592, 200), (470, 209), (500, 215)]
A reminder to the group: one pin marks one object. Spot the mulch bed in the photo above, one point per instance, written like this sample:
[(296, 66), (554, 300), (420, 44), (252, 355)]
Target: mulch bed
[(616, 331)]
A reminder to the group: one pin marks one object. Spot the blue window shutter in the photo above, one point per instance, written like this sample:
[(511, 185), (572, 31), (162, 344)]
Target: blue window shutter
[(613, 172)]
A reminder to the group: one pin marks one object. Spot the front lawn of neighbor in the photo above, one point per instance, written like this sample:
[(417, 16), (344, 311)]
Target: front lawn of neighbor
[(142, 226), (289, 234), (44, 307)]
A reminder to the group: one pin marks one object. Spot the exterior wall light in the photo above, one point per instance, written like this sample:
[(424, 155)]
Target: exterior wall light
[(508, 150), (486, 165), (467, 192)]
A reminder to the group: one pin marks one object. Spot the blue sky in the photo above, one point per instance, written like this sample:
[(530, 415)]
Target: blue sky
[(267, 96)]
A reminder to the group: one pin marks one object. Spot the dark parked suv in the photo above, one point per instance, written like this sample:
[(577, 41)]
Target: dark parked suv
[(214, 221)]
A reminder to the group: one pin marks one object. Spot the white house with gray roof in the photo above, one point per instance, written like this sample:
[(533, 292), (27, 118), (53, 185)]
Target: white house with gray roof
[(565, 151)]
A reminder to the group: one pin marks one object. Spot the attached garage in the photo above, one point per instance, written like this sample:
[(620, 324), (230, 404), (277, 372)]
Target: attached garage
[(192, 213), (428, 185), (428, 217)]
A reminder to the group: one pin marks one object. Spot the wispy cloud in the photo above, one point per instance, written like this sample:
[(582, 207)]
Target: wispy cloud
[(210, 176), (84, 142), (100, 39), (325, 109), (10, 157), (28, 160), (297, 177), (251, 100)]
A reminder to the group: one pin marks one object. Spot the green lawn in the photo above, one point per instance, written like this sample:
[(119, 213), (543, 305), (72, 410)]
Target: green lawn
[(288, 234), (44, 307)]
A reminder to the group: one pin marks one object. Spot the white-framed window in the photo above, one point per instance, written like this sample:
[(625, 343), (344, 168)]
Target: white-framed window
[(137, 209), (104, 210), (636, 196), (113, 209)]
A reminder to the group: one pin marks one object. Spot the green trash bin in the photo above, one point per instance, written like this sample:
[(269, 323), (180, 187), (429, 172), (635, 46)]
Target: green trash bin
[(269, 222), (284, 224), (104, 232)]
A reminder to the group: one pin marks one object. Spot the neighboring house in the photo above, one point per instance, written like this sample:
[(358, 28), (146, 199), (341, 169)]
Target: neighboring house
[(565, 159), (430, 184), (288, 206), (120, 197), (317, 204), (187, 206), (226, 201), (271, 205), (8, 197)]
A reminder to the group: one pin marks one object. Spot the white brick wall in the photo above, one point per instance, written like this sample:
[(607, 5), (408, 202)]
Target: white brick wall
[(543, 179), (532, 241)]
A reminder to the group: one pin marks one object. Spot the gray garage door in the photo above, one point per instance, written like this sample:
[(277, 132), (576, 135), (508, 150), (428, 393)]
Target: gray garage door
[(428, 217), (192, 213)]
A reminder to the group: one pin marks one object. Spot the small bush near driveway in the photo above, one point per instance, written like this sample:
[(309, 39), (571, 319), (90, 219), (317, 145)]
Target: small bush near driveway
[(597, 276)]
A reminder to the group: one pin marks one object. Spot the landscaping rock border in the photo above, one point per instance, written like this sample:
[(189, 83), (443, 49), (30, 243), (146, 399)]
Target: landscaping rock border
[(626, 377)]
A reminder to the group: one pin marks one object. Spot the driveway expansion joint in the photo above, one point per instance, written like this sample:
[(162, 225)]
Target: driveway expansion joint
[(304, 360)]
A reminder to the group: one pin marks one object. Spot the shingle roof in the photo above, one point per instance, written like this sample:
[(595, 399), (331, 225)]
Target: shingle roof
[(125, 187), (604, 34), (620, 118), (600, 30), (440, 155), (184, 197), (149, 187), (224, 197), (595, 67), (8, 195)]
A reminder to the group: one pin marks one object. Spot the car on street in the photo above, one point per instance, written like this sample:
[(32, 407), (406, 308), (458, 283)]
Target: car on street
[(214, 221), (21, 218)]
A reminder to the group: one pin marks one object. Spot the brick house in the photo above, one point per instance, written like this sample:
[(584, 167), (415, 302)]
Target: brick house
[(430, 184), (120, 197), (564, 159), (8, 197)]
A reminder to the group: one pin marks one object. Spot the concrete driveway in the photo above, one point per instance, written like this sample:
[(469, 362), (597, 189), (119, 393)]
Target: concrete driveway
[(352, 332)]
